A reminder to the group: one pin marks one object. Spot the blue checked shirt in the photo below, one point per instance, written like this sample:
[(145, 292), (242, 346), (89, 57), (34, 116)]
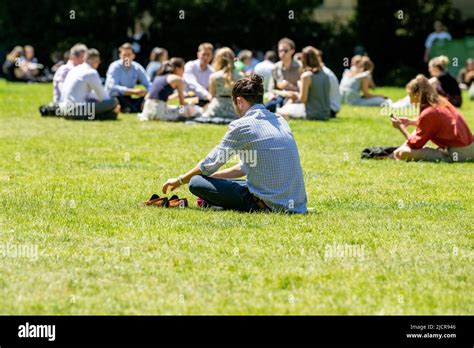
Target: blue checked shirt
[(268, 156)]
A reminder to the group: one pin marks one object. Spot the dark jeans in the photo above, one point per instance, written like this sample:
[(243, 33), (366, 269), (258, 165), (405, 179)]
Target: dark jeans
[(228, 194), (272, 104), (129, 104), (103, 111)]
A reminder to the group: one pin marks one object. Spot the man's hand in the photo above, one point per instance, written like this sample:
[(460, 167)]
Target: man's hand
[(172, 183), (138, 91)]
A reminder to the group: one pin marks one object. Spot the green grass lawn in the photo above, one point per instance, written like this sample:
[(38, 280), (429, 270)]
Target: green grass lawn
[(70, 189)]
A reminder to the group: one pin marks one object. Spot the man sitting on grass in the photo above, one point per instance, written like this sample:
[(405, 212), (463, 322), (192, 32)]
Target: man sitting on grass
[(268, 157), (83, 97), (77, 56), (122, 76)]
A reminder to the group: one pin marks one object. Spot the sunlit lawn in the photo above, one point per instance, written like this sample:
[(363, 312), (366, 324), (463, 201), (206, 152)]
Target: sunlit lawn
[(71, 190)]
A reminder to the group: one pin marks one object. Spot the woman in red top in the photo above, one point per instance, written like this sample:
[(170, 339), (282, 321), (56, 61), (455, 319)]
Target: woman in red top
[(439, 122)]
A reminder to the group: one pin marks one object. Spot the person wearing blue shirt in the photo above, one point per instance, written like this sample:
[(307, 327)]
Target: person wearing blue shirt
[(122, 76), (269, 159)]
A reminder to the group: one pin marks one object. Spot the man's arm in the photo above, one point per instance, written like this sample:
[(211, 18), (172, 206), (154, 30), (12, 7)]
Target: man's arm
[(112, 82), (143, 78), (219, 156), (233, 172), (96, 85)]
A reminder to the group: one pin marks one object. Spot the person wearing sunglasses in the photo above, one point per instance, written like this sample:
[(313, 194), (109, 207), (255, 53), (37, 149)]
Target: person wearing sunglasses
[(285, 75)]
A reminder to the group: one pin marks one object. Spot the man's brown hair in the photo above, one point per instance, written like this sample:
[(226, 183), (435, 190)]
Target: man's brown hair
[(250, 88), (205, 46), (287, 41), (92, 54), (126, 46)]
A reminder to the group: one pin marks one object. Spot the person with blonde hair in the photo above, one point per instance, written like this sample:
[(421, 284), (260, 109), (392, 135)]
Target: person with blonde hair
[(220, 85), (313, 101), (443, 81), (357, 80), (439, 122)]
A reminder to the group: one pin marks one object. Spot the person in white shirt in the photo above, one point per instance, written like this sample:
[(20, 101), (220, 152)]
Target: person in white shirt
[(334, 93), (83, 96), (197, 73), (77, 55), (439, 33), (265, 67)]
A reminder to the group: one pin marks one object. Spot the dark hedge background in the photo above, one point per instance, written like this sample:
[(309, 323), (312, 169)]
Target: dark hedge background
[(395, 45)]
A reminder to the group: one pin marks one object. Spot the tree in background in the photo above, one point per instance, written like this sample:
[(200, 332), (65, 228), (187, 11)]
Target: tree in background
[(394, 32), (178, 25)]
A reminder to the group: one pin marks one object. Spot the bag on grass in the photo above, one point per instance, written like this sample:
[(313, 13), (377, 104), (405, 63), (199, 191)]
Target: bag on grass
[(48, 109), (374, 152)]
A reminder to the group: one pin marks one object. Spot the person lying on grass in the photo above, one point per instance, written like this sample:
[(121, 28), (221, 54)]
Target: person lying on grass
[(440, 122), (268, 157)]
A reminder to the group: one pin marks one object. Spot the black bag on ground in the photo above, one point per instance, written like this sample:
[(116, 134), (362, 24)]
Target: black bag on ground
[(49, 109), (374, 152)]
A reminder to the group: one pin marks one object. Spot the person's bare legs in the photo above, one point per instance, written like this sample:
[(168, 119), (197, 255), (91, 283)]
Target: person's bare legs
[(405, 153)]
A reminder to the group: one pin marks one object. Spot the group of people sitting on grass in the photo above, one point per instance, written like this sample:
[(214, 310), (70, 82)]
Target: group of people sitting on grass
[(21, 65), (297, 88), (301, 87)]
